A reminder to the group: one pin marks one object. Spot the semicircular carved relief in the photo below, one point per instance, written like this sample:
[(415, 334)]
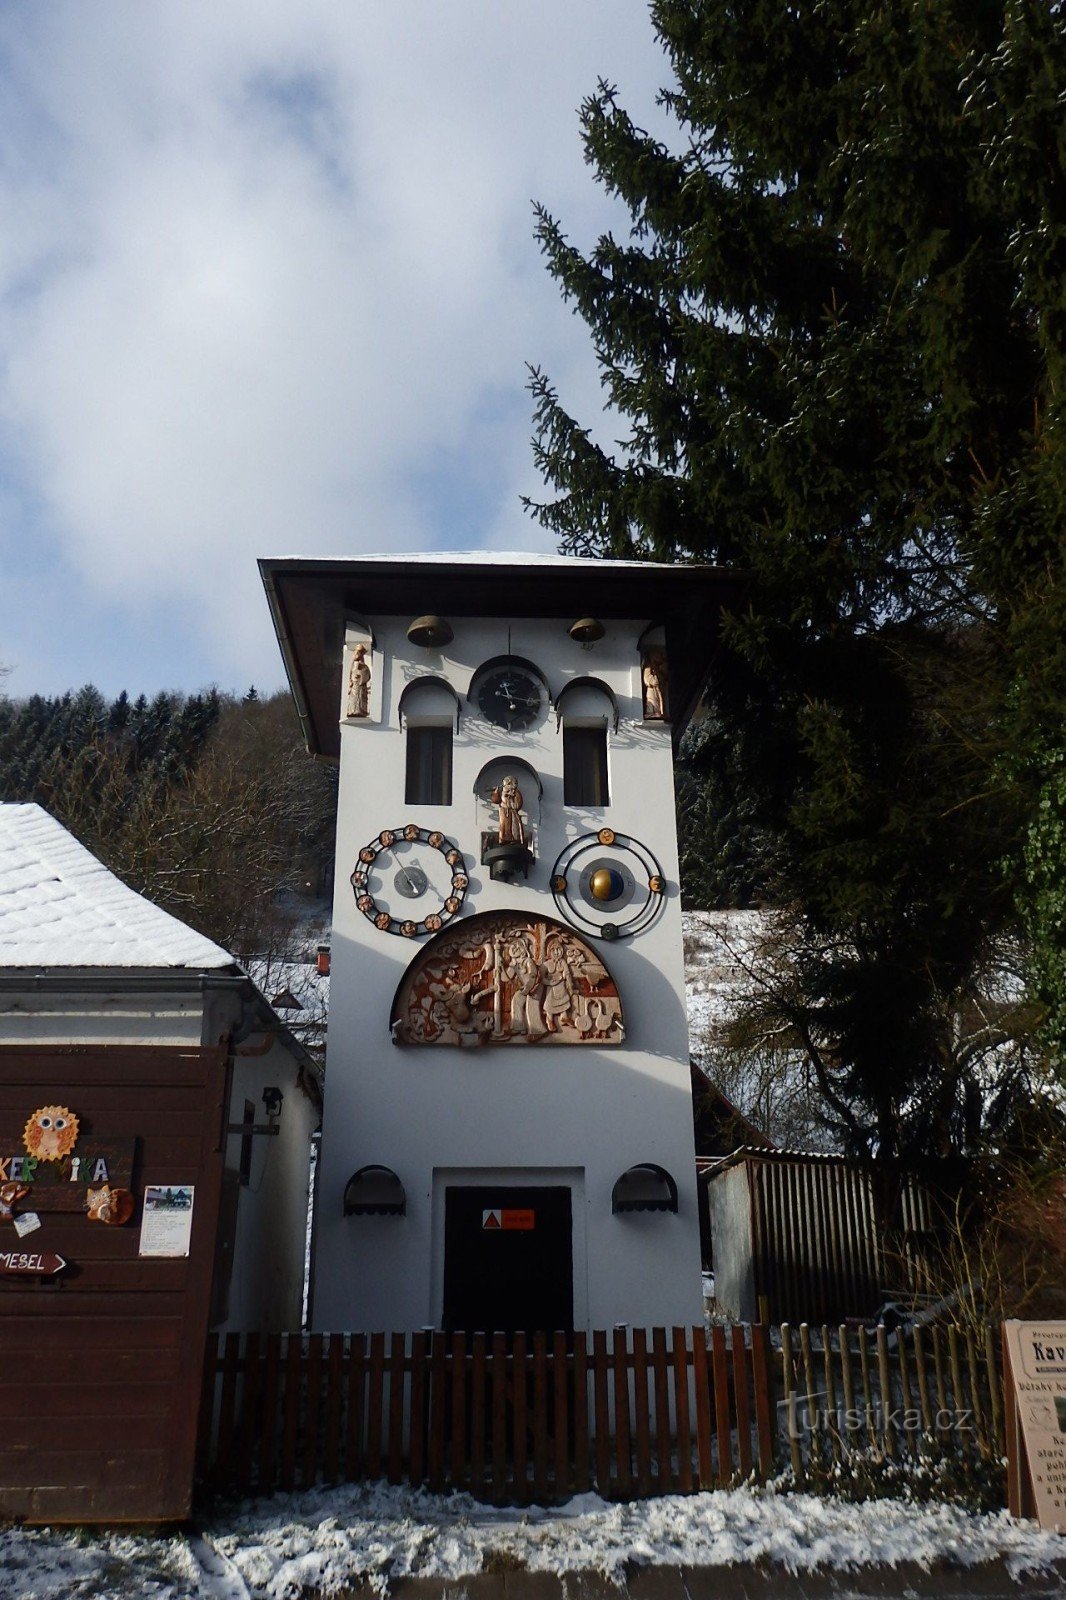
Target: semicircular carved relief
[(505, 977)]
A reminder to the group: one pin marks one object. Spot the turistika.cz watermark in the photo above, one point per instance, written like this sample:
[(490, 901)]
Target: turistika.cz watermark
[(857, 1419)]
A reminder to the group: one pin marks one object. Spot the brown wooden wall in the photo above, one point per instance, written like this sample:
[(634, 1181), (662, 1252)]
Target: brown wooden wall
[(100, 1366)]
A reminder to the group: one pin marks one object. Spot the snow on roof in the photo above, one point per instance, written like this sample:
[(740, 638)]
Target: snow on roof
[(476, 558), (60, 907)]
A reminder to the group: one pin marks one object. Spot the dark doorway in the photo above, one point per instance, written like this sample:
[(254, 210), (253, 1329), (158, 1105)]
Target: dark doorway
[(508, 1259)]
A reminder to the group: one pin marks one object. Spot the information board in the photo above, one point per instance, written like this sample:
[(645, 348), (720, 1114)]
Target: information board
[(1034, 1376)]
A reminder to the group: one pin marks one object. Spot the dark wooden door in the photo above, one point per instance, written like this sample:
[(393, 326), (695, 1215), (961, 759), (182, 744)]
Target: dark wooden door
[(508, 1259), (100, 1363)]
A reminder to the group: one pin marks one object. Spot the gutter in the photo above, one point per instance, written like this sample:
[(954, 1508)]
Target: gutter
[(141, 980), (288, 655)]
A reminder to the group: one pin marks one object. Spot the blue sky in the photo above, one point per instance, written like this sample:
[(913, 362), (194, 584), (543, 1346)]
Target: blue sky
[(268, 286)]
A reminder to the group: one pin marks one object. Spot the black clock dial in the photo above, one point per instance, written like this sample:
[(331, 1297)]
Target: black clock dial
[(411, 882), (510, 698)]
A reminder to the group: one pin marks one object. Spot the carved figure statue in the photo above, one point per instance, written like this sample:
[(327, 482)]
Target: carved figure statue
[(523, 971), (508, 798), (359, 684), (558, 990), (507, 978), (656, 680)]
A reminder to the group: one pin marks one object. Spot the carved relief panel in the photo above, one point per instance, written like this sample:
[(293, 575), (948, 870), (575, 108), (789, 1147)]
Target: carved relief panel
[(508, 978)]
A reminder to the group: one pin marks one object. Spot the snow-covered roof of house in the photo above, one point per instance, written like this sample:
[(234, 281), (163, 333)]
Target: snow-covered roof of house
[(61, 907)]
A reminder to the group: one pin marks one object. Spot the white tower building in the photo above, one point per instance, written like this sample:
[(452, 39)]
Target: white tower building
[(507, 1133)]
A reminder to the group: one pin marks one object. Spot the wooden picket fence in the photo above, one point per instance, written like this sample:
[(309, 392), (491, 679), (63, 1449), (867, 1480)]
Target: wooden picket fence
[(515, 1419)]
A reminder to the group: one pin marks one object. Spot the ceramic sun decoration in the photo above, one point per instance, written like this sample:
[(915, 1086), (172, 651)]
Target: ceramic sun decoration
[(51, 1133), (358, 701)]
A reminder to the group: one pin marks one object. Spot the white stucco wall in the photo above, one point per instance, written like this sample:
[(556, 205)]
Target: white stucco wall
[(267, 1280), (522, 1113)]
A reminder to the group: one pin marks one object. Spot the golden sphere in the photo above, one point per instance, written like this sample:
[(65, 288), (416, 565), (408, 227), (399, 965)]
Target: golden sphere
[(604, 884)]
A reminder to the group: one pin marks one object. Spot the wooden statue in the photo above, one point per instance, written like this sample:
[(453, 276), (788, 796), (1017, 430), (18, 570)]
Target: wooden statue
[(655, 679), (508, 798), (359, 684)]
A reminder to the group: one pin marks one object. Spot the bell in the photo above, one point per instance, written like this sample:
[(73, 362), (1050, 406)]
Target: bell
[(586, 630), (429, 632)]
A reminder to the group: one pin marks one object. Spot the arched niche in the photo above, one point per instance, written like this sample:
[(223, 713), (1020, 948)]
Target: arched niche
[(587, 697), (429, 696), (645, 1187), (374, 1192), (654, 674), (507, 978), (493, 772), (488, 781)]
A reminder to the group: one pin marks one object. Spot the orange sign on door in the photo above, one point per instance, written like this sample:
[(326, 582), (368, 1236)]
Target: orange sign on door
[(509, 1220)]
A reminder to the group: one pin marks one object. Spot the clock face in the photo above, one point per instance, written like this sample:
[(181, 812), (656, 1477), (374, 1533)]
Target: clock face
[(410, 881), (510, 697), (608, 884)]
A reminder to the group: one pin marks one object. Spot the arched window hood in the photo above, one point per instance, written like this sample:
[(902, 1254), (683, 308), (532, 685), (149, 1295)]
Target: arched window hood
[(428, 681), (587, 683), (374, 1192), (645, 1187)]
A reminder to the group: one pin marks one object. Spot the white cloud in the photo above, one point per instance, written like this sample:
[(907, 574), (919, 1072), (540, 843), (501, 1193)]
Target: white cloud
[(268, 274)]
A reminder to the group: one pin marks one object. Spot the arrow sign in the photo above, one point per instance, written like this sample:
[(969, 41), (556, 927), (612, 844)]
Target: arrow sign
[(31, 1263)]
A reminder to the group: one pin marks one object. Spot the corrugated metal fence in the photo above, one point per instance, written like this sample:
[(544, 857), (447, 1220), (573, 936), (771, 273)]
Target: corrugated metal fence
[(817, 1251)]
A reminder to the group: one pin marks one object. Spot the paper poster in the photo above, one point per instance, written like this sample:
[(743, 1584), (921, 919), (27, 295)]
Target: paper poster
[(1036, 1353), (166, 1221)]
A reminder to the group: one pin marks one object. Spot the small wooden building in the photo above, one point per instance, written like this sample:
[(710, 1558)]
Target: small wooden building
[(155, 1124), (794, 1238)]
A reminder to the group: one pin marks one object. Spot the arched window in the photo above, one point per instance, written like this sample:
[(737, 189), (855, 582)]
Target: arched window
[(586, 708), (428, 706)]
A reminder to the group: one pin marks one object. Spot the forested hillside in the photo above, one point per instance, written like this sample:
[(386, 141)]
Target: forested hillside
[(207, 804)]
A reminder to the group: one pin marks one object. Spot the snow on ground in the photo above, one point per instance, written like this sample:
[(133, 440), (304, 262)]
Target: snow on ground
[(320, 1542), (718, 946)]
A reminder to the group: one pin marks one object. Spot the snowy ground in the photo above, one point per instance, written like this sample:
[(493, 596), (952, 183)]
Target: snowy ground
[(318, 1543)]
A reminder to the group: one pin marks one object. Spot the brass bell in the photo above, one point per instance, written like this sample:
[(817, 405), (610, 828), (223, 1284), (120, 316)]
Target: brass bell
[(586, 630), (429, 632)]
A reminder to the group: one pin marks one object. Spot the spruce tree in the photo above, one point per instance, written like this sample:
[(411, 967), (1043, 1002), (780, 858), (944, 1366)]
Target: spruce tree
[(834, 332)]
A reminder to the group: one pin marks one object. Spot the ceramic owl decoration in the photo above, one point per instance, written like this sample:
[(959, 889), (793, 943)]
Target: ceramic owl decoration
[(51, 1133)]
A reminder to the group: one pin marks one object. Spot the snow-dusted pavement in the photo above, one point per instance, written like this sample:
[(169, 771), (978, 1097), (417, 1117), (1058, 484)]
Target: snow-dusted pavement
[(328, 1541)]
